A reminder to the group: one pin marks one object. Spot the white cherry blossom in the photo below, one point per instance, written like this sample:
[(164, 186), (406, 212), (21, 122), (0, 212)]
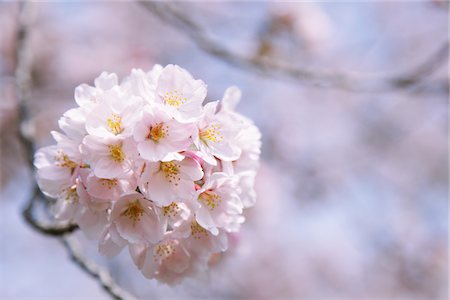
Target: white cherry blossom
[(202, 241), (158, 135), (57, 165), (73, 124), (168, 259), (219, 205), (111, 243), (180, 93), (170, 181), (215, 138), (114, 116), (176, 214), (67, 205), (143, 84), (110, 189), (109, 157), (86, 95), (93, 215), (136, 219)]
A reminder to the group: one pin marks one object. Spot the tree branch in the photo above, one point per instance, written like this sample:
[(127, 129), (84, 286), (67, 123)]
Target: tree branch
[(23, 78), (171, 14), (23, 88), (92, 269), (51, 229)]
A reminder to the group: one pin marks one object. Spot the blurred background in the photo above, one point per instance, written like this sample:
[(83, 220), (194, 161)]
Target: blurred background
[(353, 185)]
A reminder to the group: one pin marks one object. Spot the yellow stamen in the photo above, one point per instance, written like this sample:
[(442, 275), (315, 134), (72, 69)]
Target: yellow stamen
[(116, 152), (210, 199), (174, 98), (211, 133), (157, 132), (64, 161), (171, 171), (115, 124), (198, 231), (163, 250), (108, 182), (171, 210), (71, 195), (134, 211)]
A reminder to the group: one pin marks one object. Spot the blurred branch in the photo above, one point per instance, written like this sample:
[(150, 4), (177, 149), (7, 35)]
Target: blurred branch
[(98, 273), (171, 14), (23, 79), (23, 89), (44, 228)]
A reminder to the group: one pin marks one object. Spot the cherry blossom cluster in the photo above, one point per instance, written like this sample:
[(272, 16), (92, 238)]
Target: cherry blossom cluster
[(144, 165)]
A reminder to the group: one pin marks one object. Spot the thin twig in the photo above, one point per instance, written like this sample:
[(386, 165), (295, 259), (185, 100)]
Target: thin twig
[(98, 273), (172, 15), (53, 229), (23, 78), (23, 88)]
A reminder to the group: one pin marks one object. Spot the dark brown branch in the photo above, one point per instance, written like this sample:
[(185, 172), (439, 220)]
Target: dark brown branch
[(23, 79), (92, 269), (23, 88), (52, 229), (173, 16)]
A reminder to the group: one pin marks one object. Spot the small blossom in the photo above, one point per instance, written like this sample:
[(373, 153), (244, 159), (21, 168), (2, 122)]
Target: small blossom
[(201, 241), (158, 135), (73, 124), (86, 95), (114, 116), (169, 181), (109, 157), (219, 205), (67, 204), (215, 138), (143, 84), (110, 189), (93, 215), (111, 243), (57, 165), (168, 258), (180, 93), (176, 214), (136, 219)]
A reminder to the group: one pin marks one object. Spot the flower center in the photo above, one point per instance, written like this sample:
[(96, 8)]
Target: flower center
[(210, 199), (174, 98), (197, 231), (115, 124), (71, 195), (157, 132), (108, 182), (171, 210), (211, 133), (163, 250), (171, 171), (64, 161), (116, 152), (134, 211)]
